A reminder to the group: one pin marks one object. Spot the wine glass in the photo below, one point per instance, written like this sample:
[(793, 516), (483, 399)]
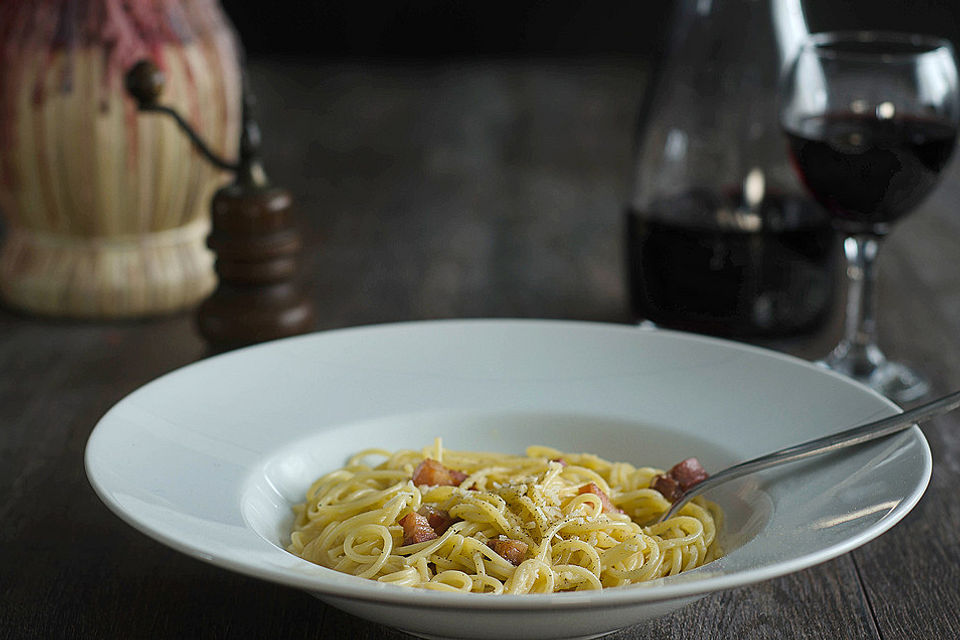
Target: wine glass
[(871, 120)]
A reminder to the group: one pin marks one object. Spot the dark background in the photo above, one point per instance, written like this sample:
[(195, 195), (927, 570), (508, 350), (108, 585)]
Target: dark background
[(450, 28)]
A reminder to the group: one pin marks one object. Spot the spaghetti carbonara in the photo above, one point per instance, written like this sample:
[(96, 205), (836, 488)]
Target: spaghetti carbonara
[(491, 523)]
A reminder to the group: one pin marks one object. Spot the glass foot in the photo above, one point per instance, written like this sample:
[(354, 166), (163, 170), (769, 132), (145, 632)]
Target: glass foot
[(896, 381)]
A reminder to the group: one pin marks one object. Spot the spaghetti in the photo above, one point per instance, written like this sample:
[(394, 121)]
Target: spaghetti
[(491, 523)]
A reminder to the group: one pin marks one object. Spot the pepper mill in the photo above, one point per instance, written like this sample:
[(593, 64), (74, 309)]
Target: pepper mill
[(253, 236)]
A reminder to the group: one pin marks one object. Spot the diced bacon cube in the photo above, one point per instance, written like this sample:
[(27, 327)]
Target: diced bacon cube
[(438, 519), (680, 478), (510, 550), (560, 461), (668, 486), (432, 473), (608, 506), (416, 528), (688, 473)]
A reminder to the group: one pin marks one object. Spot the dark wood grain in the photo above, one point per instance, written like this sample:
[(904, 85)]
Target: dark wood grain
[(912, 573), (483, 189)]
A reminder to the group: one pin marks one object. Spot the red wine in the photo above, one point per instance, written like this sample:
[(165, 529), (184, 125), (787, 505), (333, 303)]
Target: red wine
[(694, 265), (867, 172)]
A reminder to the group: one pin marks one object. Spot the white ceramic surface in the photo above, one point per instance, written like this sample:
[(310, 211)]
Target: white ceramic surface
[(209, 459)]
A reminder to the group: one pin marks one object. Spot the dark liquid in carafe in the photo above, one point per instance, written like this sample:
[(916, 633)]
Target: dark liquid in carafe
[(707, 264)]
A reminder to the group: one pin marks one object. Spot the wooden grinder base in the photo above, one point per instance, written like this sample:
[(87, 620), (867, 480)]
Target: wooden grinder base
[(257, 246)]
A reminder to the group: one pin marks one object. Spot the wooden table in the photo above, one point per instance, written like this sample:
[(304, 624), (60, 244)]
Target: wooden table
[(462, 190)]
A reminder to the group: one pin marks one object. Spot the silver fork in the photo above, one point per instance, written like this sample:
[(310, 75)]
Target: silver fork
[(847, 438)]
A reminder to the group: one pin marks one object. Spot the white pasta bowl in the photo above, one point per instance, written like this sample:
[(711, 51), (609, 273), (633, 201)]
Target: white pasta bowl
[(210, 459)]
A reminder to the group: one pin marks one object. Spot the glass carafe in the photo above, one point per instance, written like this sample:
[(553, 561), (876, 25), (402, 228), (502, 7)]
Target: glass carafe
[(720, 236)]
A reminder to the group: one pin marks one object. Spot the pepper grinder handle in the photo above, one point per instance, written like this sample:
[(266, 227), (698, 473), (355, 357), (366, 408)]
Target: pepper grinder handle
[(253, 234)]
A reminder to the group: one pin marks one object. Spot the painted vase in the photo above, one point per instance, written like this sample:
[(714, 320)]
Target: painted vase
[(106, 210)]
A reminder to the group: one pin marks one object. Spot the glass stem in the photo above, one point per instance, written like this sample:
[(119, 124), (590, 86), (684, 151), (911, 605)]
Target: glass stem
[(860, 338)]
